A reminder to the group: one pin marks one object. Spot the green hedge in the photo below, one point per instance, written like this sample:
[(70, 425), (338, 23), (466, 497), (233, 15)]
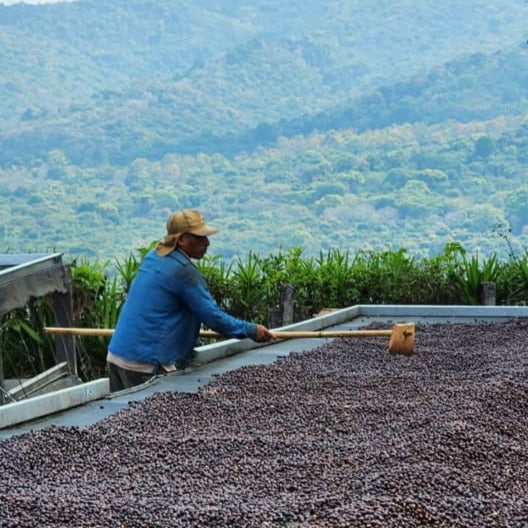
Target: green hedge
[(248, 288)]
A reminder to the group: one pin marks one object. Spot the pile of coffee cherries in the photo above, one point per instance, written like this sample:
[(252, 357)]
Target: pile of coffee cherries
[(344, 435)]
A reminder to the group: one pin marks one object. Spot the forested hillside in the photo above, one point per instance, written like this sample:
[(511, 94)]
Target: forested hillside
[(321, 124)]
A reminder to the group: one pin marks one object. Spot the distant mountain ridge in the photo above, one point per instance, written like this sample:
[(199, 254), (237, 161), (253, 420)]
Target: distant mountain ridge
[(476, 87), (58, 57), (317, 124)]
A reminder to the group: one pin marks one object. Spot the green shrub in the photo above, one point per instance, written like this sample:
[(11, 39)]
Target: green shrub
[(249, 288)]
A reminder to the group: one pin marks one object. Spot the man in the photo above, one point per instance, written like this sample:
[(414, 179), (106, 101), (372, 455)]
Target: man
[(166, 305)]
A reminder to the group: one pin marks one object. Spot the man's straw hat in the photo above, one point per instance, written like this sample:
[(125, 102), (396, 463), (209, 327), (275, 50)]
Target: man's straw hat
[(180, 222)]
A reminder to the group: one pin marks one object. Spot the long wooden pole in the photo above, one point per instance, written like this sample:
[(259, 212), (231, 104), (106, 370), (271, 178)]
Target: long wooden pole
[(401, 335), (208, 333)]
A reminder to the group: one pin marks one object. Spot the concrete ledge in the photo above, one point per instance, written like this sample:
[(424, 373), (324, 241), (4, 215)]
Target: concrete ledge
[(229, 347), (423, 310), (23, 411), (398, 312), (60, 400)]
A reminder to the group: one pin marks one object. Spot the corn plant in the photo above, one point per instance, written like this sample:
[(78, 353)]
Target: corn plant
[(333, 279), (369, 273), (293, 269), (302, 273), (512, 285), (27, 350), (471, 272), (217, 275), (127, 269), (249, 289)]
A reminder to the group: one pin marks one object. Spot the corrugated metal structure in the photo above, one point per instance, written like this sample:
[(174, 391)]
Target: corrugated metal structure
[(28, 276)]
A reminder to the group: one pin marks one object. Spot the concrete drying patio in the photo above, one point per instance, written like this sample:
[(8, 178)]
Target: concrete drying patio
[(90, 402)]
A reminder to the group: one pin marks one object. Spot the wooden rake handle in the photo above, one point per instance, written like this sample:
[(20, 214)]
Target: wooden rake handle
[(401, 336), (208, 333)]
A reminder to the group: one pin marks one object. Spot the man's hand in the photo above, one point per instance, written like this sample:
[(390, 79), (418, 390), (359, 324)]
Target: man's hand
[(263, 334)]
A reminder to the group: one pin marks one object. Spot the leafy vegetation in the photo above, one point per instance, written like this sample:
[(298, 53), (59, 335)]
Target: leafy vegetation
[(408, 186), (250, 288)]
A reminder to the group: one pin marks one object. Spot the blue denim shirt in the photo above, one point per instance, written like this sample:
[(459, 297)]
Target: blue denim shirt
[(166, 305)]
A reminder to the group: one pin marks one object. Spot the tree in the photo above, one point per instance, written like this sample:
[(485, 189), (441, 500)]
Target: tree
[(517, 209), (483, 147), (397, 178)]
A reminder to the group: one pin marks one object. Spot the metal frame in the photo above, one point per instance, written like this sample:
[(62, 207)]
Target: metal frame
[(27, 276)]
